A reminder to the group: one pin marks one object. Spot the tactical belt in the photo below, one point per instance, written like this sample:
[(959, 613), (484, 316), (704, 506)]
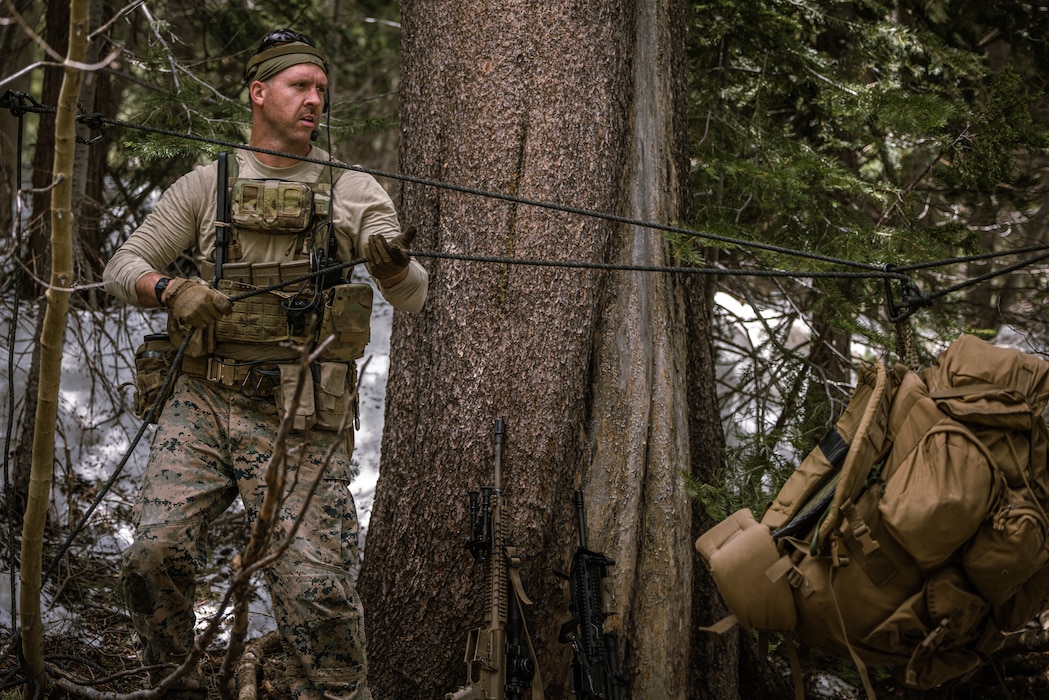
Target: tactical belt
[(252, 378)]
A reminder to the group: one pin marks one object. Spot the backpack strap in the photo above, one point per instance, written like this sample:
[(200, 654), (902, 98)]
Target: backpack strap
[(860, 666), (791, 647), (859, 459), (864, 549)]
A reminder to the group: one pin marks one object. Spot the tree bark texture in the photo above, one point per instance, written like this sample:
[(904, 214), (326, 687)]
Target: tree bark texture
[(51, 342), (16, 50), (568, 102)]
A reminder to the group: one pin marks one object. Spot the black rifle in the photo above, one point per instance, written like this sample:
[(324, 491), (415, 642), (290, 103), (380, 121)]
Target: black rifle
[(595, 671), (500, 660), (222, 219)]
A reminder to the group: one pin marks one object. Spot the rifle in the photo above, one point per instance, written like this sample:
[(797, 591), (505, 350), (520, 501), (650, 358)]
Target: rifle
[(500, 660), (222, 221), (595, 671)]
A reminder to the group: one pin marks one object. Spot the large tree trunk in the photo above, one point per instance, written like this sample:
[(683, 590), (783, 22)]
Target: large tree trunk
[(569, 102)]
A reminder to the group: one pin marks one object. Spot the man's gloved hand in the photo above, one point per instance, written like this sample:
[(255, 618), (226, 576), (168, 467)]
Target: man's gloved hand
[(196, 302), (388, 258)]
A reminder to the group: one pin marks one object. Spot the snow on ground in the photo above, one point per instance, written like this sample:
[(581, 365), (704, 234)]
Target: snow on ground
[(94, 434)]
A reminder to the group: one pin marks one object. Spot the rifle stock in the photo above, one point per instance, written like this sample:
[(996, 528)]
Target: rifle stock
[(500, 661), (595, 672)]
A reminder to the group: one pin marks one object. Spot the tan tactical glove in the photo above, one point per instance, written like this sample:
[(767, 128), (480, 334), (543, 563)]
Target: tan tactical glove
[(388, 258), (195, 302)]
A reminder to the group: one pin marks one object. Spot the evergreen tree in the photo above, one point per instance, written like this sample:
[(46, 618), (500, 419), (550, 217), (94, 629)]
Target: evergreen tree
[(880, 133)]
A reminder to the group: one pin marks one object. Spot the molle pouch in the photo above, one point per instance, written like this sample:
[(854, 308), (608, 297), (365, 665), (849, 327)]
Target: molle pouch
[(305, 416), (331, 384), (274, 206), (1008, 549), (256, 319), (153, 360), (201, 344), (347, 316), (322, 199), (940, 493)]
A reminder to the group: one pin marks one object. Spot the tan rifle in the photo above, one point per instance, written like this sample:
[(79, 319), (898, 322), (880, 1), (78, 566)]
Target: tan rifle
[(500, 660)]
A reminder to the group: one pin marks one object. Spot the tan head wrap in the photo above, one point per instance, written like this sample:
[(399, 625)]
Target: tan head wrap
[(268, 63)]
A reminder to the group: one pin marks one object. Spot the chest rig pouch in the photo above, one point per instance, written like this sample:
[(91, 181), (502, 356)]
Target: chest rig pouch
[(303, 311), (273, 206)]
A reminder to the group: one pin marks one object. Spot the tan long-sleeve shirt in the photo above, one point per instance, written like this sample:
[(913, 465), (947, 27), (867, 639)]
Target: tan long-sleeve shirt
[(184, 219)]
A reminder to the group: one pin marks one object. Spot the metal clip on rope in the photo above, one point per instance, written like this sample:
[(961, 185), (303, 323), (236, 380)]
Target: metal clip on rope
[(911, 297)]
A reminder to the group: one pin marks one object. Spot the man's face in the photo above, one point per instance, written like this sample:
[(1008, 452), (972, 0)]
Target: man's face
[(289, 105)]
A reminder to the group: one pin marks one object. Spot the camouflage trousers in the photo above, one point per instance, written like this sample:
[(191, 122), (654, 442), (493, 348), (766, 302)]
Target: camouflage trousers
[(211, 445)]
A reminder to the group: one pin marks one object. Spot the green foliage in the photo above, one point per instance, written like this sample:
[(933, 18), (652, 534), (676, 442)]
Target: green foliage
[(985, 156), (869, 132), (749, 476), (185, 71)]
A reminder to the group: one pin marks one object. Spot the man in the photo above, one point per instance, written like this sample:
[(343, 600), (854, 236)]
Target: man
[(216, 433)]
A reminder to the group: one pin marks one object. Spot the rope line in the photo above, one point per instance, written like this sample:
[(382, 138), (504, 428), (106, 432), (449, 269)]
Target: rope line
[(873, 273), (20, 103)]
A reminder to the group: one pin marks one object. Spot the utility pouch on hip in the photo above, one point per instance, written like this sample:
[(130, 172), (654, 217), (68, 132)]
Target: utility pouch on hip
[(201, 344), (347, 316), (333, 381), (153, 359), (305, 413)]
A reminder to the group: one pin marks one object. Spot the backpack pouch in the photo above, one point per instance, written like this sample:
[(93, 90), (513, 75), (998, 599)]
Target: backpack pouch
[(740, 553), (972, 362), (940, 493), (933, 627), (1031, 599), (1008, 549)]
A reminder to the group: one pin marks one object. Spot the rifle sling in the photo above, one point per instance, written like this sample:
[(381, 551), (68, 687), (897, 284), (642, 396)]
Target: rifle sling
[(522, 600)]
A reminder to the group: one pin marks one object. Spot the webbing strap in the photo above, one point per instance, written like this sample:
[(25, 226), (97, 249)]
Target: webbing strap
[(795, 667), (722, 626), (865, 549), (860, 666), (966, 389), (854, 461), (522, 600)]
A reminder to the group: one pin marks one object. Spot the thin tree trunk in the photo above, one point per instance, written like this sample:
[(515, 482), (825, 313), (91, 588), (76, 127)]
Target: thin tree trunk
[(36, 247), (51, 342)]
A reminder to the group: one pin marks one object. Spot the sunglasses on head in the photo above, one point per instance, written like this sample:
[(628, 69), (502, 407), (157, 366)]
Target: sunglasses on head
[(283, 36)]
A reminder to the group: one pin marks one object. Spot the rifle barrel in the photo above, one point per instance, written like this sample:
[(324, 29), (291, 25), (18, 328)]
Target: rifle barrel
[(581, 514), (500, 432)]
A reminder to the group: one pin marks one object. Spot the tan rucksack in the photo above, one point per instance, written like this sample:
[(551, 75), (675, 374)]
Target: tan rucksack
[(915, 535)]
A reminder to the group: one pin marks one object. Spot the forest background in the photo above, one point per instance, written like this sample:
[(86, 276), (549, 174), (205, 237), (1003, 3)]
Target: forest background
[(821, 142)]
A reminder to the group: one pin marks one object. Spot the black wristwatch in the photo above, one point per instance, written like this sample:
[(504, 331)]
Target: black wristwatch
[(159, 288)]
